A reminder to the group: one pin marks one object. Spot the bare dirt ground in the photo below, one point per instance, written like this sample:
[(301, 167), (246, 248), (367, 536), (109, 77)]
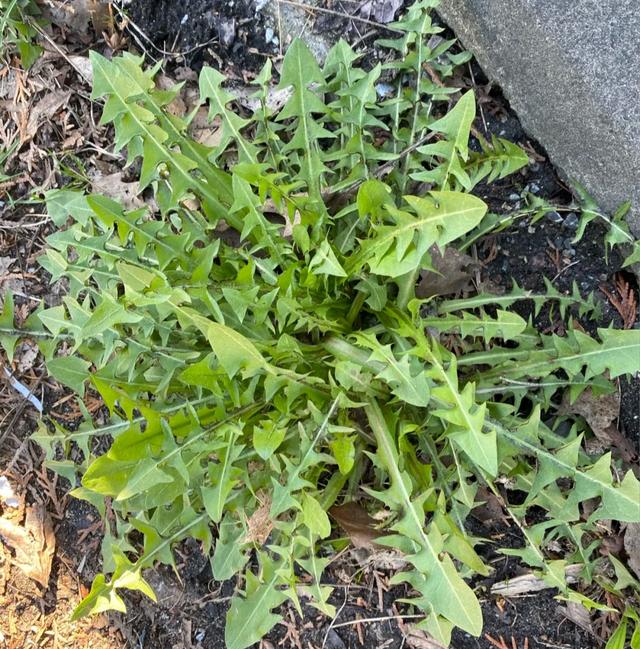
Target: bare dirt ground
[(50, 126)]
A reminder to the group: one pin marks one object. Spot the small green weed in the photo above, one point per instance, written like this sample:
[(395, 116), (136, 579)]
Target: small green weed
[(291, 367), (17, 31)]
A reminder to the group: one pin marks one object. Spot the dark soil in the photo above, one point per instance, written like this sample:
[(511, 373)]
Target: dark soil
[(203, 30), (238, 36), (193, 607)]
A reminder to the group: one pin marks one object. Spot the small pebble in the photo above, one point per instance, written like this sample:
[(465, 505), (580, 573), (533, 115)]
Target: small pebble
[(554, 217), (227, 31), (571, 221), (534, 188), (558, 243), (531, 229), (570, 252), (268, 34), (384, 89), (514, 197), (568, 243)]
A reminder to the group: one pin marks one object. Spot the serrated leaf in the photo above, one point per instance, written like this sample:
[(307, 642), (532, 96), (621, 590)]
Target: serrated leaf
[(250, 618), (71, 371), (325, 262), (267, 437), (398, 249), (407, 384), (437, 579), (315, 517)]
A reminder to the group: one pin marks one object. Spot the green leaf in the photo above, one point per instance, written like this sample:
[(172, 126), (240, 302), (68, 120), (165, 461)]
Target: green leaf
[(456, 124), (437, 579), (228, 558), (232, 124), (398, 249), (224, 477), (233, 350), (325, 262), (250, 618), (71, 371), (406, 383), (267, 437), (300, 70), (106, 315), (8, 340), (315, 517), (343, 450)]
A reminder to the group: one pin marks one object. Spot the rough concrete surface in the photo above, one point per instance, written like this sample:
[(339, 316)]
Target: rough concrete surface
[(571, 71)]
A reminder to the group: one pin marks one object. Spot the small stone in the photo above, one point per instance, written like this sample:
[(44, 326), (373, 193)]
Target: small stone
[(534, 188), (570, 252), (333, 641), (554, 217), (268, 34), (384, 89), (558, 243), (227, 31), (514, 197), (531, 229), (568, 243), (571, 221)]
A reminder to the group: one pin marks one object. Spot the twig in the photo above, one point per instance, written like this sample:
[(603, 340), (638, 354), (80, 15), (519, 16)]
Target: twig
[(384, 618), (573, 263), (473, 80), (341, 14), (63, 54), (337, 615), (183, 53)]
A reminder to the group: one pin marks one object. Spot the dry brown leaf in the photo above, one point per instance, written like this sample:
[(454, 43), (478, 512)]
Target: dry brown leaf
[(259, 524), (79, 15), (45, 109), (632, 547), (381, 12), (204, 131), (114, 187), (418, 639), (33, 543), (529, 583), (73, 141), (490, 510), (453, 272), (6, 263), (177, 106), (83, 66), (357, 523), (600, 412), (276, 98), (578, 614), (27, 354)]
